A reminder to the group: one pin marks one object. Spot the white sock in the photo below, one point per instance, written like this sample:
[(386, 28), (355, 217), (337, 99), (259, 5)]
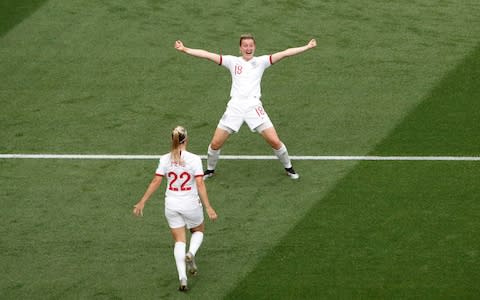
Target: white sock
[(195, 242), (179, 253), (212, 158), (282, 155)]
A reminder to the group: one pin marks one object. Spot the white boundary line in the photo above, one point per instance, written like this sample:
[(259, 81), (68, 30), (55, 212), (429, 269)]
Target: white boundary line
[(242, 157)]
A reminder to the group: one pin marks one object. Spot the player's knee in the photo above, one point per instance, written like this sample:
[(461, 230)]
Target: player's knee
[(200, 228), (276, 144), (215, 145), (217, 142)]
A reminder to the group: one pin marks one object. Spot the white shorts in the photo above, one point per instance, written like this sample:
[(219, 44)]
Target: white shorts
[(235, 115), (189, 218)]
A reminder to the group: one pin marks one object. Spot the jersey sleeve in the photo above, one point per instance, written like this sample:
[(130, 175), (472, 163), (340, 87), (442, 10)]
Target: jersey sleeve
[(197, 167), (160, 171), (265, 60), (226, 61)]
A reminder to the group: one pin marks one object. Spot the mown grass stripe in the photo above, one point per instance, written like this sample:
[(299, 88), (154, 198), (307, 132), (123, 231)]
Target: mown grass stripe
[(13, 12), (395, 229)]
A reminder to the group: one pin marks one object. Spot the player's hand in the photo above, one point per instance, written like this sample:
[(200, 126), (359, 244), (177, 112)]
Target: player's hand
[(179, 46), (211, 213), (312, 43), (138, 209)]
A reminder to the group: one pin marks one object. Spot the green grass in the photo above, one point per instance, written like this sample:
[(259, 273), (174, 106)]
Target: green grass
[(103, 77), (393, 229), (446, 122), (14, 11), (71, 232), (387, 230)]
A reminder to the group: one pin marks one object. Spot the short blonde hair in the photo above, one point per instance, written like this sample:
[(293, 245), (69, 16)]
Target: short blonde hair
[(247, 36)]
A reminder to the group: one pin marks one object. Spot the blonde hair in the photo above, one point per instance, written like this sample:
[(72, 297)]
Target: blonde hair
[(247, 36), (179, 137)]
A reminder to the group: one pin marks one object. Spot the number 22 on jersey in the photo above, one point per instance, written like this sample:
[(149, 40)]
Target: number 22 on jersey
[(182, 179)]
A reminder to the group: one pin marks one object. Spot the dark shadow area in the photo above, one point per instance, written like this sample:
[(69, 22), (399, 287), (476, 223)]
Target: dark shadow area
[(12, 12)]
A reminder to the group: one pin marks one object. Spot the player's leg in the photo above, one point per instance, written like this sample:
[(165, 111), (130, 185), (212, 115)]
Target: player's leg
[(230, 122), (279, 149), (195, 242), (179, 253), (196, 239), (177, 228), (258, 120), (195, 222), (213, 154)]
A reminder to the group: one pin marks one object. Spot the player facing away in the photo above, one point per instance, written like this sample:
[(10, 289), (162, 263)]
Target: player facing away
[(183, 208), (245, 104)]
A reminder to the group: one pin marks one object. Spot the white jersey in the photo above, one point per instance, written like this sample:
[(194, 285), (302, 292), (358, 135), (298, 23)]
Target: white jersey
[(181, 192), (246, 75)]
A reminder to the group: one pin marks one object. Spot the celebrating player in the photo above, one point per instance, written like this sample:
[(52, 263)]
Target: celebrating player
[(184, 174), (245, 104)]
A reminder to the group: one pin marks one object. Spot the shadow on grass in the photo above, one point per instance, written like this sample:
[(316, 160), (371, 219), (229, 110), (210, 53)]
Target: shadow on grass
[(13, 12), (391, 229)]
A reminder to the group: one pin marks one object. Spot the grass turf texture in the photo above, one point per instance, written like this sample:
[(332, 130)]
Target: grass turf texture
[(388, 230), (14, 11), (71, 232), (95, 77), (393, 229)]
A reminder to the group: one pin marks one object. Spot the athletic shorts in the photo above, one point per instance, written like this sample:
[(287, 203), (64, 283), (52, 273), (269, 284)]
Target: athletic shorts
[(235, 115), (188, 218)]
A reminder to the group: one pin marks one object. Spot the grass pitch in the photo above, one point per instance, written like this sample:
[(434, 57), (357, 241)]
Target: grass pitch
[(99, 77)]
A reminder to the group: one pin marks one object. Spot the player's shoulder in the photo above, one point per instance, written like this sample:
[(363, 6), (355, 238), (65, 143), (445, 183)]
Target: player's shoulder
[(165, 157), (190, 156), (263, 58), (229, 58)]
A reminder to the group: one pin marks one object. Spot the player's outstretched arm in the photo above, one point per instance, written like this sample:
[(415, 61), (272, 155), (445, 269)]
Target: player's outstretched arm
[(276, 57), (197, 52)]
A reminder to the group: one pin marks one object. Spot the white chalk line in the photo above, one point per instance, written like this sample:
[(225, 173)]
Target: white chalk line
[(243, 157)]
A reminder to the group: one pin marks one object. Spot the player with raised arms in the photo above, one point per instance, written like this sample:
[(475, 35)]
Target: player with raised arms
[(245, 104)]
